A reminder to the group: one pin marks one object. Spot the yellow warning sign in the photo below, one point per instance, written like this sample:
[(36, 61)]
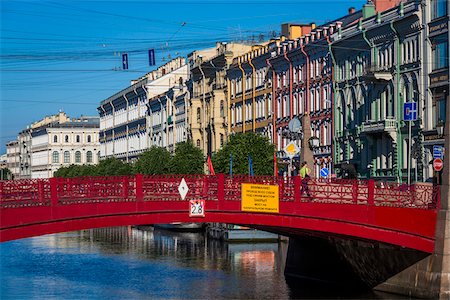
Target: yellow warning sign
[(260, 198)]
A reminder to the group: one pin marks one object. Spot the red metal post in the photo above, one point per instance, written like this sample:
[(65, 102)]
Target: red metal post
[(40, 191), (220, 187), (125, 187), (139, 189), (370, 192), (1, 190), (297, 188), (54, 191), (355, 191)]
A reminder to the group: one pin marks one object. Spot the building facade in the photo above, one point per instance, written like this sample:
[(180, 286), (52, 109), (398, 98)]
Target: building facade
[(13, 157), (62, 144), (208, 105), (435, 47), (124, 117), (167, 116), (381, 64), (250, 91)]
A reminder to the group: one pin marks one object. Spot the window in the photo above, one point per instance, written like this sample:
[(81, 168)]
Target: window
[(78, 157), (78, 138), (221, 139), (440, 52), (89, 156), (66, 157), (199, 115), (55, 157), (55, 139), (89, 139), (98, 156), (222, 109), (438, 8), (66, 139), (198, 143)]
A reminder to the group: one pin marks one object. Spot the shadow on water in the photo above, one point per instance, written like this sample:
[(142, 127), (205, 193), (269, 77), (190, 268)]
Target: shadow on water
[(303, 288)]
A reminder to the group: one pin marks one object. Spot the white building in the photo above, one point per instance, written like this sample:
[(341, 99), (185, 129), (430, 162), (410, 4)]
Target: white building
[(13, 157), (62, 144), (127, 126)]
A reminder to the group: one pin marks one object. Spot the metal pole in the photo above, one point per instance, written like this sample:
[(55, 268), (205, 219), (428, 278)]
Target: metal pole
[(409, 153), (290, 167)]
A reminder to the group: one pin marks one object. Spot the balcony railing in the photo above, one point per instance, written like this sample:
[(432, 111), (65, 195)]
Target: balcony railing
[(372, 126), (375, 72)]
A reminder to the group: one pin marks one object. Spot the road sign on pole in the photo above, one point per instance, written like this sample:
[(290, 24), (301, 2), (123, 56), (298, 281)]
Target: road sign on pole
[(410, 111), (324, 172), (291, 149), (409, 114), (438, 164), (438, 152)]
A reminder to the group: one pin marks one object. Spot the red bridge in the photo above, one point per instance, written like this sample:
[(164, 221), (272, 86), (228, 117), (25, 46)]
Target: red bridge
[(388, 213)]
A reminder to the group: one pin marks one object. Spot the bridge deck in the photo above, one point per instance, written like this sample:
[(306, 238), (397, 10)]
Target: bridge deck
[(385, 212)]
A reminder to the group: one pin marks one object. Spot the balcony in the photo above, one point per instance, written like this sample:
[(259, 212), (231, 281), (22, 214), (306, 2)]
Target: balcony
[(387, 125), (377, 73)]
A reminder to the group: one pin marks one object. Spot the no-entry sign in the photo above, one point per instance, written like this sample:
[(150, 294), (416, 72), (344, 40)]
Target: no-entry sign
[(438, 164)]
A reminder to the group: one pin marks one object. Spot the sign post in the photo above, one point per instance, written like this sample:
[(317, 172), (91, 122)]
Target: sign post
[(409, 114)]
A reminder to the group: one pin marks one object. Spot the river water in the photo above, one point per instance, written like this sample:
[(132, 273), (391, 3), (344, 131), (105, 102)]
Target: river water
[(130, 263)]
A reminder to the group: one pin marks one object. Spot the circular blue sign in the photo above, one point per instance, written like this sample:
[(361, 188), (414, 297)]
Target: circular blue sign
[(324, 172)]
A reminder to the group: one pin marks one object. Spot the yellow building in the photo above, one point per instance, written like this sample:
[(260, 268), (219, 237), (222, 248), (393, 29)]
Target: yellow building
[(208, 107)]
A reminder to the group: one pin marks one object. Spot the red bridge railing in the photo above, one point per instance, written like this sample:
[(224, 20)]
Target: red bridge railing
[(67, 191)]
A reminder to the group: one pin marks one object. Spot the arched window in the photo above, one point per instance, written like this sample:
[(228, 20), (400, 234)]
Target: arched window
[(198, 115), (55, 157), (88, 138), (78, 138), (78, 157), (98, 156), (198, 143), (89, 156), (66, 138), (55, 139), (66, 157)]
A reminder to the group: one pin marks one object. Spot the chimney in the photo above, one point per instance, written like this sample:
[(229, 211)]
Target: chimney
[(351, 10), (382, 5), (368, 9)]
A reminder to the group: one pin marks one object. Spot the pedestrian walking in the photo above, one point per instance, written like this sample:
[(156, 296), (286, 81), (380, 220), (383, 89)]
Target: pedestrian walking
[(304, 174)]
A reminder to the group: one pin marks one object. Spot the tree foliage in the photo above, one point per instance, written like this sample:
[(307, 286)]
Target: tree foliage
[(109, 166), (113, 166), (6, 174), (155, 160), (241, 145), (187, 159)]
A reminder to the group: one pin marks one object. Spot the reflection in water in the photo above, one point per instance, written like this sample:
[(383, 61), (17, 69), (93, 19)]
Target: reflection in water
[(125, 262)]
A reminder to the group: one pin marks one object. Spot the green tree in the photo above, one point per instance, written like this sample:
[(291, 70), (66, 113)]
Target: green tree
[(76, 171), (155, 160), (187, 159), (5, 174), (241, 145), (113, 166)]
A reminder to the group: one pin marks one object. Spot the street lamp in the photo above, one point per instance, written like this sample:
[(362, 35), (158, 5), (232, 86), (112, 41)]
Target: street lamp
[(313, 142), (440, 129)]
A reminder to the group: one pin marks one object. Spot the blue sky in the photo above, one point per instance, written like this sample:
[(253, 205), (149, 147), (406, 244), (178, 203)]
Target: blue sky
[(65, 55)]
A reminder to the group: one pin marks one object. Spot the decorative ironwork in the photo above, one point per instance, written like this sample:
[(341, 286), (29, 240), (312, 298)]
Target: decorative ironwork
[(67, 191)]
